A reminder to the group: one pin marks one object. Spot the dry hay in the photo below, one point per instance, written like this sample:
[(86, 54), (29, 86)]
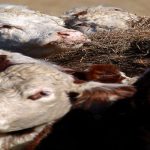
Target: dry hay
[(130, 50)]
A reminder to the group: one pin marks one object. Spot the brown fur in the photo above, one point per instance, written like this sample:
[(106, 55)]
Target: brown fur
[(100, 96), (4, 63), (105, 73), (84, 12), (36, 141), (77, 81)]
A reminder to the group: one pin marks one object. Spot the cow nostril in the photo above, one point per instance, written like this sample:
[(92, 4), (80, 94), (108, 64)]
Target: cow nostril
[(63, 33)]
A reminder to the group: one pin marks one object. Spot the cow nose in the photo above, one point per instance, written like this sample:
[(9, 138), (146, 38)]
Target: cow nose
[(63, 34), (72, 36)]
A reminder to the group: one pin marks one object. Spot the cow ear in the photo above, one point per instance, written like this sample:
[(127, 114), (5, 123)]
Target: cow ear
[(98, 97), (4, 63), (105, 73)]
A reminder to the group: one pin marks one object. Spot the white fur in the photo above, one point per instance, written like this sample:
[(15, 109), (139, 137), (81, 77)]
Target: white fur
[(20, 81), (128, 80), (103, 18)]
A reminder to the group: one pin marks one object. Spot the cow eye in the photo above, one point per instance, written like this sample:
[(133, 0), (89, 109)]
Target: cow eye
[(38, 95)]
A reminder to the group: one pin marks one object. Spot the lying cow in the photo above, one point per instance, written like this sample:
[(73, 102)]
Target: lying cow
[(35, 34), (93, 19)]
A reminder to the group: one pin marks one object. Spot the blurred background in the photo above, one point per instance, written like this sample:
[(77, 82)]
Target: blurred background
[(57, 7)]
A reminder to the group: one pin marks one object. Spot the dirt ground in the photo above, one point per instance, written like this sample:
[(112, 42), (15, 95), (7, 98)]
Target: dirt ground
[(57, 7)]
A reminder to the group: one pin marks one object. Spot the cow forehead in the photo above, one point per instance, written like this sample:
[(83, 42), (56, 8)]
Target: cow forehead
[(32, 75), (30, 70)]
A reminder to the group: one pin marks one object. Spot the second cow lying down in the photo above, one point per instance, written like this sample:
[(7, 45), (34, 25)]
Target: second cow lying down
[(35, 34), (36, 94)]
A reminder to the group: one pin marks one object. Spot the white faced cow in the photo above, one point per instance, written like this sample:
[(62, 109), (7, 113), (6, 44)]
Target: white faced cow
[(35, 94)]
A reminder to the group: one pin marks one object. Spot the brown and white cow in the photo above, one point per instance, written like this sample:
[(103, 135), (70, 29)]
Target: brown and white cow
[(35, 94)]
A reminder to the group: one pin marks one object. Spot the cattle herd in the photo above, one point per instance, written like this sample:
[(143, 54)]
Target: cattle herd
[(78, 81)]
